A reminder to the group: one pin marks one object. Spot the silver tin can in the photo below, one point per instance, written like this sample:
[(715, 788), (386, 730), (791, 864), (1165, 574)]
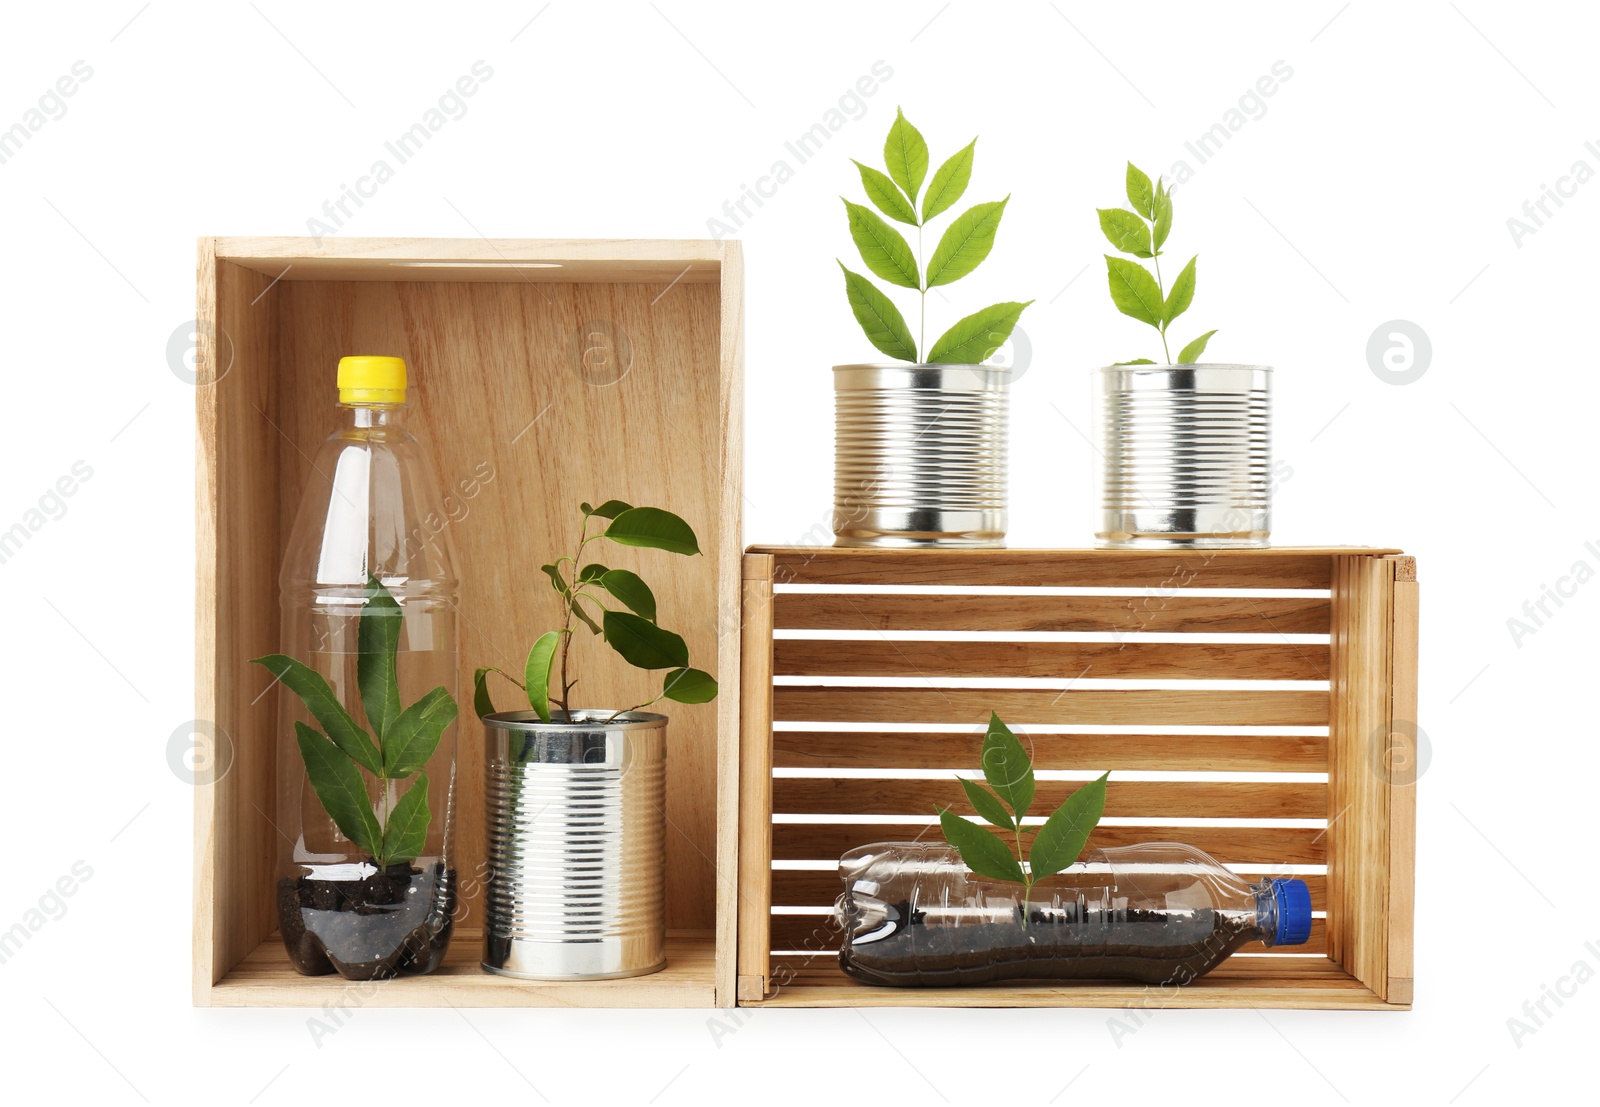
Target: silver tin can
[(576, 822), (1185, 456), (920, 455)]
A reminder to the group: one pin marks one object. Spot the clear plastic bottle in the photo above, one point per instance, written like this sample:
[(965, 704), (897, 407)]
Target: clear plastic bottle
[(1157, 913), (372, 505)]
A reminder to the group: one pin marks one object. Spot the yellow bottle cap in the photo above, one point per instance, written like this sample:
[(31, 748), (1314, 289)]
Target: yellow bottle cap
[(372, 380)]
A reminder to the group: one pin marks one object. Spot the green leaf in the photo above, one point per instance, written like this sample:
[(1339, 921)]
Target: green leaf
[(886, 195), (982, 850), (378, 639), (406, 834), (325, 707), (885, 327), (608, 510), (965, 243), (536, 674), (481, 703), (654, 528), (1182, 294), (1007, 767), (340, 789), (592, 572), (583, 616), (689, 686), (1141, 194), (557, 581), (985, 804), (1137, 361), (644, 645), (1127, 231), (1064, 834), (1134, 290), (631, 590), (949, 182), (415, 734), (978, 336), (883, 248), (1163, 217), (905, 155), (1191, 353)]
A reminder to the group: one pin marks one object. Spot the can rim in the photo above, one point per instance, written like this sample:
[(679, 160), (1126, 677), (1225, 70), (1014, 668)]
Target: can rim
[(980, 366), (1184, 368), (590, 718)]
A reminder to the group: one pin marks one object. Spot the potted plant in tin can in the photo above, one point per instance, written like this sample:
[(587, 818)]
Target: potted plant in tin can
[(586, 785), (920, 445), (1185, 446)]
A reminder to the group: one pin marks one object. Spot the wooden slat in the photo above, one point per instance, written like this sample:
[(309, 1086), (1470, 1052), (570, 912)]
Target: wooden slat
[(1291, 983), (1244, 845), (265, 978), (820, 887), (1091, 707), (1124, 799), (755, 775), (1156, 569), (1403, 788), (1129, 614), (824, 749), (819, 932), (1358, 791), (729, 559), (1078, 660)]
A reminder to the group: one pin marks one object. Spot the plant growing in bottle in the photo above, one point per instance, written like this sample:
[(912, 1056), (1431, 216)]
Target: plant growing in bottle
[(1034, 853), (1136, 291), (962, 247), (613, 604), (372, 923)]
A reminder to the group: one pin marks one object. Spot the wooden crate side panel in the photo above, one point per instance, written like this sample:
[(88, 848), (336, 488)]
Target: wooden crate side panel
[(730, 600), (1404, 766), (1358, 793), (755, 777), (237, 551)]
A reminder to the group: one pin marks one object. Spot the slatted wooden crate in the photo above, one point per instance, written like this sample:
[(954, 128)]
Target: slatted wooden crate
[(1257, 704)]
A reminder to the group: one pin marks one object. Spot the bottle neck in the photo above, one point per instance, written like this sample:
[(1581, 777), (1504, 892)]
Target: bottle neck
[(370, 416)]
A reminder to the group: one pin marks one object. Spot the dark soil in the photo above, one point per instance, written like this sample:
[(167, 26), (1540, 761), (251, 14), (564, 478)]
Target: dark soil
[(393, 922), (1151, 947)]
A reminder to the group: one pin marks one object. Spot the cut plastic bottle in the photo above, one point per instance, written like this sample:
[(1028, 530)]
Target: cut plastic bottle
[(1157, 913), (372, 505)]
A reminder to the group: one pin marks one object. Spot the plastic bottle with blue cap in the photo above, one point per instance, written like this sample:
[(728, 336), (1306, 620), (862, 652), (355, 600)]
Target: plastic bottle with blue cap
[(1161, 913)]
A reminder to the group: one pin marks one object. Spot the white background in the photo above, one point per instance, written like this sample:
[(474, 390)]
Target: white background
[(1376, 186)]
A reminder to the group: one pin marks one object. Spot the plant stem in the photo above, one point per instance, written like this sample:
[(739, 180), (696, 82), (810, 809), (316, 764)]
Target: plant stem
[(1027, 877), (922, 293), (1162, 289), (565, 645)]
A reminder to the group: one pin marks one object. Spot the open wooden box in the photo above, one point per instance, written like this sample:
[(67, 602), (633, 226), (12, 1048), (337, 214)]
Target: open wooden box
[(566, 371), (859, 706)]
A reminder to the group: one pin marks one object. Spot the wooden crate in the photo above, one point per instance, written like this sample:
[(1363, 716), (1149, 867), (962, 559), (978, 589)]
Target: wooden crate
[(505, 340), (1108, 650)]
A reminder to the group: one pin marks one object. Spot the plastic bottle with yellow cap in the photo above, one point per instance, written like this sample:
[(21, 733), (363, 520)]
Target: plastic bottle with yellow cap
[(371, 508)]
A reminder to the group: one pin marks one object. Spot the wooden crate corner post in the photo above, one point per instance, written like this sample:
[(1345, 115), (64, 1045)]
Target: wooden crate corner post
[(755, 781), (1372, 771)]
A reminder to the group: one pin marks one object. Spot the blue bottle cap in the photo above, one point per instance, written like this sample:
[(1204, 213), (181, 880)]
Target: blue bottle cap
[(1294, 912)]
